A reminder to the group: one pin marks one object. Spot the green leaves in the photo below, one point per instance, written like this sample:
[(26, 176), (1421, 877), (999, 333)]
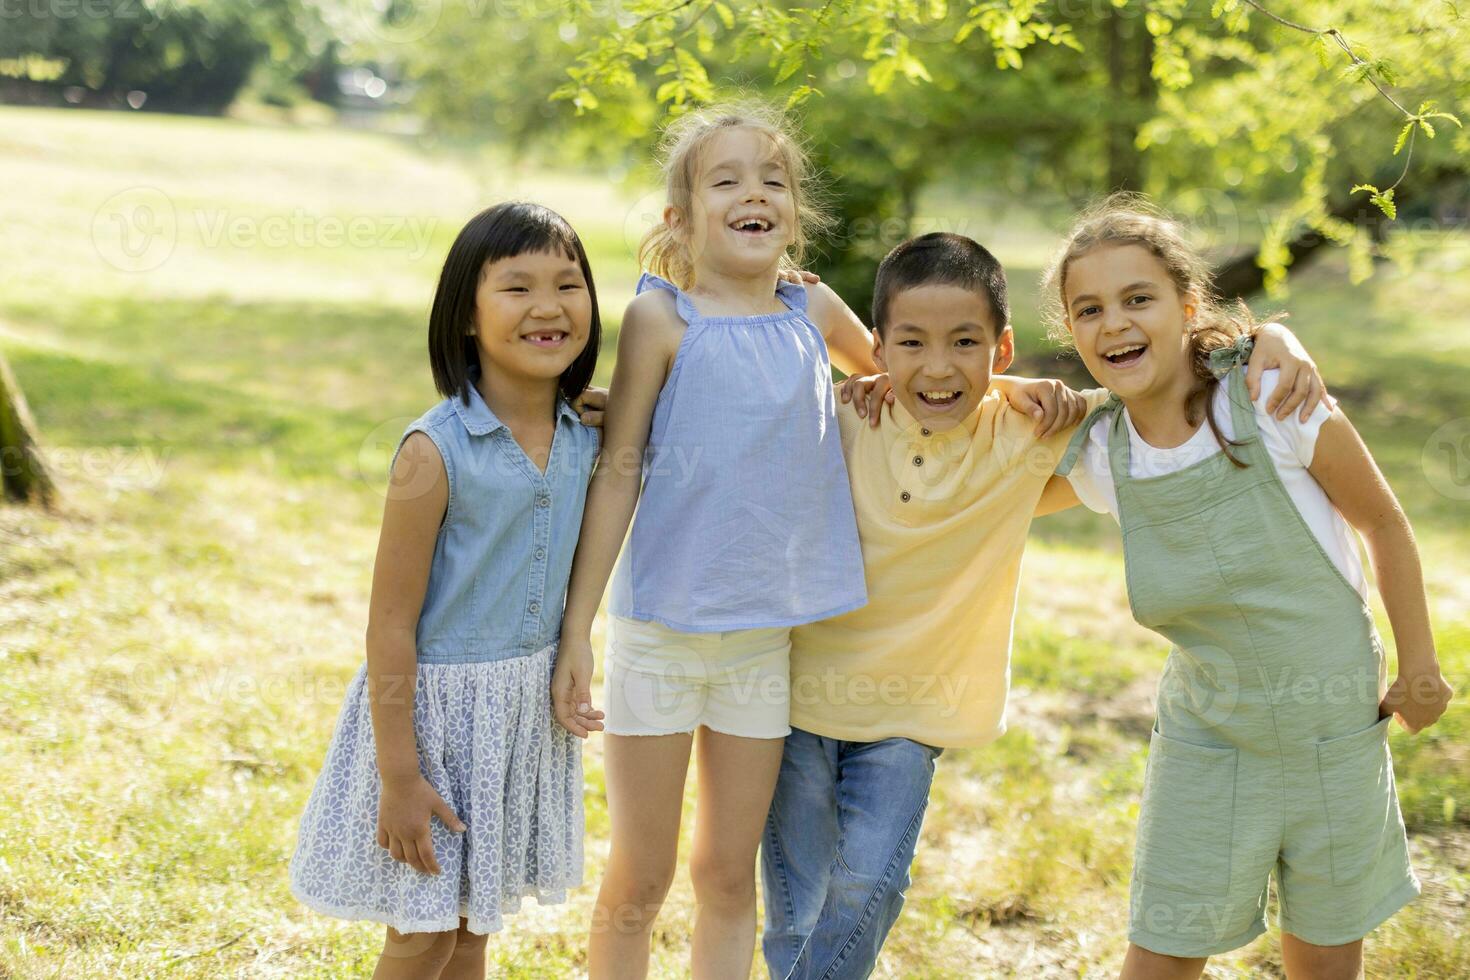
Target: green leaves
[(1382, 199)]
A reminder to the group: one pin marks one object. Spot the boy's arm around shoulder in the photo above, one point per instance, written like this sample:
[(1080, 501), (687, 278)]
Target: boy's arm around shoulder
[(1345, 469), (648, 341)]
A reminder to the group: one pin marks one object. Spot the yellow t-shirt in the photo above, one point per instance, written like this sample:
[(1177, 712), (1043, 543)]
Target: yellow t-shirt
[(943, 517)]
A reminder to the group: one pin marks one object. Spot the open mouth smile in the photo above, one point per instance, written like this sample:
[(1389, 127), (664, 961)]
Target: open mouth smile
[(751, 225), (547, 338), (1126, 356), (938, 399)]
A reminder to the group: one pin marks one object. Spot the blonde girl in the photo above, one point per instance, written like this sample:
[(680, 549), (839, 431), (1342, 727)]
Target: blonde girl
[(722, 414)]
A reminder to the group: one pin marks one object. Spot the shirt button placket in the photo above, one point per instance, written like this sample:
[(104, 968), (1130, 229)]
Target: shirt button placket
[(540, 534)]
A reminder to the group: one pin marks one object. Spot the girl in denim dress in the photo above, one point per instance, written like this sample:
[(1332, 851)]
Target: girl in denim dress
[(449, 793)]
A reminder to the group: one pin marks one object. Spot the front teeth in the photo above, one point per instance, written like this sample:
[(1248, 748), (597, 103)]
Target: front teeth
[(751, 224), (1119, 352), (939, 395)]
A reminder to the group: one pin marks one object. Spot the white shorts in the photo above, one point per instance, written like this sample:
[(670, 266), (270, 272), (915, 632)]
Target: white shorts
[(663, 682)]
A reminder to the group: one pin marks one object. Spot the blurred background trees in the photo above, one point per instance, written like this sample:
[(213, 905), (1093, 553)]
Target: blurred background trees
[(1255, 125)]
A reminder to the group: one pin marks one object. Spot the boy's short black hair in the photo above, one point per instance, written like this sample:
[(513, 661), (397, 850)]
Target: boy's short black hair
[(941, 258), (500, 232)]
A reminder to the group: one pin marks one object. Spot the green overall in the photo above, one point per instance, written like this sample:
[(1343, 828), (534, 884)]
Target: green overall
[(1267, 752)]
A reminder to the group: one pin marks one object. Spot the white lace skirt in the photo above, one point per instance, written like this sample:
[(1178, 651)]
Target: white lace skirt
[(489, 745)]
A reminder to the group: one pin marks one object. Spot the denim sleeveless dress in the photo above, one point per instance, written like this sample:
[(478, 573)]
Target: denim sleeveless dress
[(487, 742), (746, 517)]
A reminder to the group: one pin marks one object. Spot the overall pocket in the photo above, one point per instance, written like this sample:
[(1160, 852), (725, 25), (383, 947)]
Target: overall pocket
[(1187, 817), (1360, 800)]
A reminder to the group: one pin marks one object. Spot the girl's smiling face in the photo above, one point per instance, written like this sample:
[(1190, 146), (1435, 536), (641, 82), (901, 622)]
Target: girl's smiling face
[(1127, 320), (533, 314), (743, 205)]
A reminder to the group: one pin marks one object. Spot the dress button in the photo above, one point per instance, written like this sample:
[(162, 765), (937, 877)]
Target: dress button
[(918, 460), (535, 607), (543, 501), (540, 553), (904, 496)]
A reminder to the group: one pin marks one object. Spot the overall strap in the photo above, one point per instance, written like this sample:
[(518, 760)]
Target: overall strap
[(1119, 451), (682, 302), (1225, 364), (1079, 438)]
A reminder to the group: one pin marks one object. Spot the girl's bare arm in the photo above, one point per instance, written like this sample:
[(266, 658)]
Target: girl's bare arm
[(418, 495), (647, 342), (849, 343), (1347, 472)]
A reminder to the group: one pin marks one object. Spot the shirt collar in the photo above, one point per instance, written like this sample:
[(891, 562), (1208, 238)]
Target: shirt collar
[(478, 420)]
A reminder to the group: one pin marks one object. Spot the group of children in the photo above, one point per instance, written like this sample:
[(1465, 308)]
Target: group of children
[(818, 587)]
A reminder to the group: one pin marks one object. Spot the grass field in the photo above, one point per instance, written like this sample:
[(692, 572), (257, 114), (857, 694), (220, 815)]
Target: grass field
[(220, 330)]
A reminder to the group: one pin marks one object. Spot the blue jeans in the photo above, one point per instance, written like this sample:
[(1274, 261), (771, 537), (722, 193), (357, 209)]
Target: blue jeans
[(835, 857)]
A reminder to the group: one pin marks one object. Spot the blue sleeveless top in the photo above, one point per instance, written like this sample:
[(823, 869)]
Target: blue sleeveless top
[(498, 582), (746, 517)]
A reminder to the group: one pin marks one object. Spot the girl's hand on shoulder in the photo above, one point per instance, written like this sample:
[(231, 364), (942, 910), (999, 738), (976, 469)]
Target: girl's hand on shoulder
[(1053, 405), (1417, 698), (404, 808), (571, 689), (1300, 384), (799, 276), (590, 406), (871, 392)]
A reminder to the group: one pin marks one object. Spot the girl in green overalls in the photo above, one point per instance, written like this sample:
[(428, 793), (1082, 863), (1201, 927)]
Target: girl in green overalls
[(1270, 749)]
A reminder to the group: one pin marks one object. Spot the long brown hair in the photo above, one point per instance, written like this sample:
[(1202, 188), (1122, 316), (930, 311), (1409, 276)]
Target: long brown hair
[(664, 251), (1130, 219)]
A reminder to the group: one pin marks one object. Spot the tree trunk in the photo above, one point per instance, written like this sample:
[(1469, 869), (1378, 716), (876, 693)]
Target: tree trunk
[(23, 475)]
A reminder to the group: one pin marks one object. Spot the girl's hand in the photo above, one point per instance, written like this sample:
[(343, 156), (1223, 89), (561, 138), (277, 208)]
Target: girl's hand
[(1053, 405), (871, 392), (1300, 383), (571, 689), (590, 405), (404, 808), (1417, 698), (799, 276)]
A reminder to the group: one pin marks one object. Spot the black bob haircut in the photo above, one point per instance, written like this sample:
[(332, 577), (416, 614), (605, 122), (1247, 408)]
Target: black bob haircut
[(500, 232), (941, 258)]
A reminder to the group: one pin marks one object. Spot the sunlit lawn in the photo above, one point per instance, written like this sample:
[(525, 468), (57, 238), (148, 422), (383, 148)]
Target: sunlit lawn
[(175, 644)]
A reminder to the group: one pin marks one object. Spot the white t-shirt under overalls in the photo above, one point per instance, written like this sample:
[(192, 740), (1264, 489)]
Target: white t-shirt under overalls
[(1291, 443)]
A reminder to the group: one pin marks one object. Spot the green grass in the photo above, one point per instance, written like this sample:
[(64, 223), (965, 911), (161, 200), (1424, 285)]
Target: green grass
[(174, 644)]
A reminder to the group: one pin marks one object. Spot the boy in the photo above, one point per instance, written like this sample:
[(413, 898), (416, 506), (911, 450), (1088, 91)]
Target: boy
[(945, 487)]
